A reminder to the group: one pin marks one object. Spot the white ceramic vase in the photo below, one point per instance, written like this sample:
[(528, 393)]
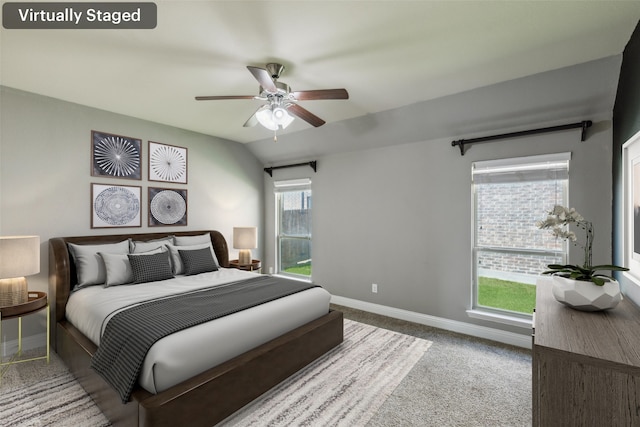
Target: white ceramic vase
[(586, 296)]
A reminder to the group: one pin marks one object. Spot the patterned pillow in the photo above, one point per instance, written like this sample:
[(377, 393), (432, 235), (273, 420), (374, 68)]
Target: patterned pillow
[(150, 268), (197, 261), (176, 260)]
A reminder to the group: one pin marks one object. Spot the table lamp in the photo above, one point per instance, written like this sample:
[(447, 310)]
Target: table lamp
[(245, 239), (19, 257)]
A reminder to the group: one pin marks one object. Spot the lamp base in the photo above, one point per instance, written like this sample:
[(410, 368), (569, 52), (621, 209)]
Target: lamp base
[(13, 291), (244, 257)]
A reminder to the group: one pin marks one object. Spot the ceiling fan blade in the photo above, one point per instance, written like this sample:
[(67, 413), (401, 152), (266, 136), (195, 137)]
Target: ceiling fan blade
[(307, 95), (305, 115), (264, 78), (214, 98), (253, 120)]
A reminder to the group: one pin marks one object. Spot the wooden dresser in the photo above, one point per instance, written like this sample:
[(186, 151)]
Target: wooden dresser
[(586, 366)]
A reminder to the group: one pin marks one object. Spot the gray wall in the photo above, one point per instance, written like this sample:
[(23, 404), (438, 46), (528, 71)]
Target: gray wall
[(392, 201), (400, 216), (45, 175)]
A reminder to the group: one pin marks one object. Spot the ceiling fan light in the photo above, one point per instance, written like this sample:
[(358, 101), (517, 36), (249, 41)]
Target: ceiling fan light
[(278, 114), (282, 117), (265, 118)]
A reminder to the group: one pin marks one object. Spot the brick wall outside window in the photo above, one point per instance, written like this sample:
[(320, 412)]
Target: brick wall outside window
[(506, 217)]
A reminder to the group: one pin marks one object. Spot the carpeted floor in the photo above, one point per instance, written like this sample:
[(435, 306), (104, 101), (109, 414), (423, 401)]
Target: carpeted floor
[(459, 381)]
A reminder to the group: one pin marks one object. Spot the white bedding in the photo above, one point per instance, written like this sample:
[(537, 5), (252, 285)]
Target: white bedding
[(182, 355)]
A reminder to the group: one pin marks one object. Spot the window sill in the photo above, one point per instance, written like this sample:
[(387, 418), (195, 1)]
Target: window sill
[(293, 277), (500, 318)]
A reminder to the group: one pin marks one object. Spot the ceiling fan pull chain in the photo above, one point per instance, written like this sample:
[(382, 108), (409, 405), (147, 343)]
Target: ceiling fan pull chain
[(275, 136)]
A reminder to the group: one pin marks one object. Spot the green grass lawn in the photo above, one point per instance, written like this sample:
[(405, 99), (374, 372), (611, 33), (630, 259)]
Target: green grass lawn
[(304, 270), (494, 293), (506, 295)]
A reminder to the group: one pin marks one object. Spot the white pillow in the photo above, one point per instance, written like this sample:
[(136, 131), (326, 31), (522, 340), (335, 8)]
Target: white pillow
[(192, 240), (118, 267), (136, 247), (90, 268), (176, 259)]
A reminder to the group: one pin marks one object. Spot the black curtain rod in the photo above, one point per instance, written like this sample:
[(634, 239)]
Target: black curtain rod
[(313, 164), (583, 124)]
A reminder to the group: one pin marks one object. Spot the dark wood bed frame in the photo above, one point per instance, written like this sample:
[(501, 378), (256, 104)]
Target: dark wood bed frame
[(205, 399)]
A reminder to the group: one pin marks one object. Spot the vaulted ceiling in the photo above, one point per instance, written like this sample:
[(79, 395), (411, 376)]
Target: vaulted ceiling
[(387, 54)]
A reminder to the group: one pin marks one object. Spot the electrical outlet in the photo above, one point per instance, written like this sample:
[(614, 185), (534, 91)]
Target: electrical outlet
[(374, 288)]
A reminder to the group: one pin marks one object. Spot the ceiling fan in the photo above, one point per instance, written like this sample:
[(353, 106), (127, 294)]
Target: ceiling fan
[(280, 100)]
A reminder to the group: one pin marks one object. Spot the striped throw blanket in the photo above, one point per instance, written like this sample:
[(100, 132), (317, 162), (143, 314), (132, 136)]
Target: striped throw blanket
[(122, 349)]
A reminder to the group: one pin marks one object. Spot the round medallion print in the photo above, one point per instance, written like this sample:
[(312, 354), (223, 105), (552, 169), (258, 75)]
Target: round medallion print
[(116, 206), (168, 163), (116, 156), (168, 207)]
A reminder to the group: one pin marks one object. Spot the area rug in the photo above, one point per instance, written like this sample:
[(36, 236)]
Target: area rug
[(345, 387), (36, 394)]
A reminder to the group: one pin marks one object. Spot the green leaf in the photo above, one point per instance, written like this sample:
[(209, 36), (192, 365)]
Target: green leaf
[(609, 267), (560, 266), (579, 276), (559, 272), (603, 275)]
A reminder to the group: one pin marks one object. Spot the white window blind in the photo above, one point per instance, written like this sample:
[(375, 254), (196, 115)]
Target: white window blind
[(530, 168), (292, 185)]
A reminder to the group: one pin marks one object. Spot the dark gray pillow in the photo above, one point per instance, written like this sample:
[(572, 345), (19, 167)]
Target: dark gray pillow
[(150, 268), (197, 261)]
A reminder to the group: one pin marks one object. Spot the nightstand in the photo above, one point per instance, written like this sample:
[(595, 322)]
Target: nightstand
[(254, 266), (37, 301)]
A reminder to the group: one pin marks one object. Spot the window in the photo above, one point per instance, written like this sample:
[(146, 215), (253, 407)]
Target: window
[(509, 251), (293, 227)]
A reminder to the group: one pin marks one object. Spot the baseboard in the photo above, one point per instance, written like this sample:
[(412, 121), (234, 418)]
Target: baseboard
[(505, 337), (28, 343)]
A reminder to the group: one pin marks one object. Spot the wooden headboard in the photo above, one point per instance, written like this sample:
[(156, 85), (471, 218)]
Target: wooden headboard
[(62, 271)]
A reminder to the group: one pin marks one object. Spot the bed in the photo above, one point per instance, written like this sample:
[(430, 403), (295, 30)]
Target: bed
[(205, 398)]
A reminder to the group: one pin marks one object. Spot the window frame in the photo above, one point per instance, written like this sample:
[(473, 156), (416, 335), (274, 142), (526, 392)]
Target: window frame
[(511, 165), (281, 187)]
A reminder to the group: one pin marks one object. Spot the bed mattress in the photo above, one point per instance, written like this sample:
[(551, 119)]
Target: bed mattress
[(182, 355)]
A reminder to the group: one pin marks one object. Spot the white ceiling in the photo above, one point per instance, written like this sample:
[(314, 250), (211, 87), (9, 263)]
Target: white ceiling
[(387, 54)]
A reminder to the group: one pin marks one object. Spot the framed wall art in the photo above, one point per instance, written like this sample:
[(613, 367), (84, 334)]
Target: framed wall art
[(167, 206), (115, 156), (631, 173), (167, 163), (115, 206)]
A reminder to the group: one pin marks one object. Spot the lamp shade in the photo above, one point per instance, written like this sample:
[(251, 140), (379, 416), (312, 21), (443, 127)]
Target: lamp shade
[(245, 237), (19, 256)]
